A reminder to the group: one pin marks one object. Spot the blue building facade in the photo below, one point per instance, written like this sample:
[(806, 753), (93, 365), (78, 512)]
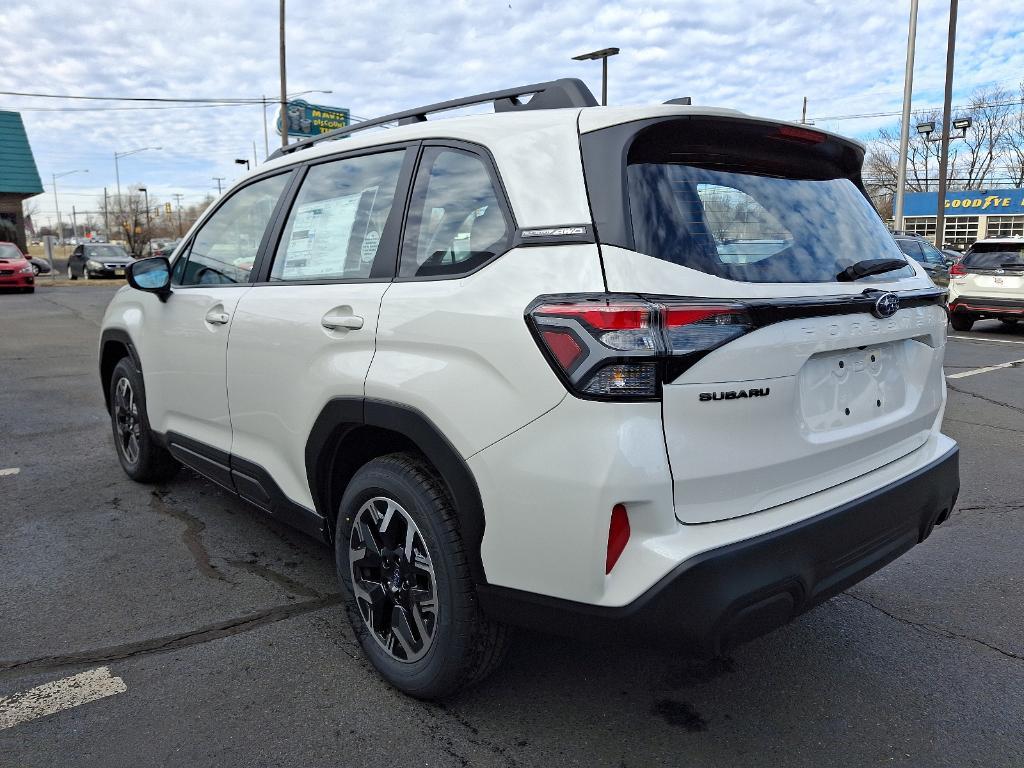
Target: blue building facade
[(969, 215)]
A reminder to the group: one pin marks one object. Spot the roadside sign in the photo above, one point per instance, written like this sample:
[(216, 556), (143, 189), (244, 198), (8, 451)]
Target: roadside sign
[(167, 208), (305, 119)]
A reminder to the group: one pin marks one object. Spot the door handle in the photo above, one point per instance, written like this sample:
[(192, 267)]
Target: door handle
[(217, 316), (333, 322)]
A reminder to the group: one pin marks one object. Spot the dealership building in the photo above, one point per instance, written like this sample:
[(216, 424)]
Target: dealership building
[(970, 215)]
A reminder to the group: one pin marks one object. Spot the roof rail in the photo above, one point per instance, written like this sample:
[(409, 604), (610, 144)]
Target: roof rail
[(554, 94)]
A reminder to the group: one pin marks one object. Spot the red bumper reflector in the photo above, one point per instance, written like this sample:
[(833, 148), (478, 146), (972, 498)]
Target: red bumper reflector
[(618, 535)]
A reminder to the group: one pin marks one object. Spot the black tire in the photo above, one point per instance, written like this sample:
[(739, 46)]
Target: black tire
[(1009, 322), (31, 289), (961, 321), (35, 269), (71, 273), (143, 459), (465, 645)]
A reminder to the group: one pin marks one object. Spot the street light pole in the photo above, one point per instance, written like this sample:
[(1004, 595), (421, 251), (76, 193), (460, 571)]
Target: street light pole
[(947, 102), (56, 203), (284, 84), (602, 54), (117, 171), (908, 87), (266, 139)]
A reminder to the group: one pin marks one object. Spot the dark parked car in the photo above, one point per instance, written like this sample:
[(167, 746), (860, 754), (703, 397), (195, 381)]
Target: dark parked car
[(98, 260), (935, 262), (39, 266)]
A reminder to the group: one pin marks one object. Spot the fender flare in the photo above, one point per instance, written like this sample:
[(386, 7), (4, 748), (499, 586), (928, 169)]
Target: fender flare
[(121, 337), (341, 415)]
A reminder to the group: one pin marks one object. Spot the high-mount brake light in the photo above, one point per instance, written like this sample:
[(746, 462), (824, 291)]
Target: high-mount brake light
[(621, 347), (800, 134)]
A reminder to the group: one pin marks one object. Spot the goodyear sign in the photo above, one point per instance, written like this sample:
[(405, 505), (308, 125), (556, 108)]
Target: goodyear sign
[(304, 119), (972, 202)]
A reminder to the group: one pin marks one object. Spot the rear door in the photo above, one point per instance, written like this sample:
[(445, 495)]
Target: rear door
[(825, 384), (305, 333)]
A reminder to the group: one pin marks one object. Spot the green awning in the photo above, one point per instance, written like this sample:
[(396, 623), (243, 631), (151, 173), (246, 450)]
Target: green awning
[(18, 173)]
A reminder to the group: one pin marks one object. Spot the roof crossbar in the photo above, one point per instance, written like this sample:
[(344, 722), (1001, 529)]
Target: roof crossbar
[(567, 92)]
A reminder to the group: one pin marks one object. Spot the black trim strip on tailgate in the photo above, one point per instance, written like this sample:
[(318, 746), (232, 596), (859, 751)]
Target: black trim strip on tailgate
[(770, 311)]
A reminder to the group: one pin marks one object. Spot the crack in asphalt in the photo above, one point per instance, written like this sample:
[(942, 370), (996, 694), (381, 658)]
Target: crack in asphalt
[(275, 577), (190, 536), (935, 630), (987, 426), (204, 634), (1012, 407)]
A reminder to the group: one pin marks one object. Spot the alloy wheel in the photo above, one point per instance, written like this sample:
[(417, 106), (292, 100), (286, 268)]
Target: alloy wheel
[(393, 579), (126, 419)]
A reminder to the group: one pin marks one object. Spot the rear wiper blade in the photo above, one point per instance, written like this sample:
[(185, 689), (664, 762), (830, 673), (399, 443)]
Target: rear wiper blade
[(867, 267)]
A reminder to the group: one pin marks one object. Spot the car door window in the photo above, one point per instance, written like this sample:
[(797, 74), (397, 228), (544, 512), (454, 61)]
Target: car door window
[(335, 226), (224, 249), (912, 248), (456, 222), (933, 255)]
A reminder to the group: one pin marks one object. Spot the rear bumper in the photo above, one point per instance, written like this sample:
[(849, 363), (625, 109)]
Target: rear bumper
[(100, 273), (736, 592), (984, 305)]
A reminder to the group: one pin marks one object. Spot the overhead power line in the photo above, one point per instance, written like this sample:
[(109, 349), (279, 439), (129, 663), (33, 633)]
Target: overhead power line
[(135, 98), (925, 110)]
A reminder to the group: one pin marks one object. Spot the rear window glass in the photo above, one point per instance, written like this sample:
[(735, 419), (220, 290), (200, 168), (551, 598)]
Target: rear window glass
[(754, 228), (995, 255)]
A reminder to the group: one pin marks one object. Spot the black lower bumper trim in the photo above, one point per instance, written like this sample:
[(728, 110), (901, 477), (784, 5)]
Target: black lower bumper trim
[(737, 592)]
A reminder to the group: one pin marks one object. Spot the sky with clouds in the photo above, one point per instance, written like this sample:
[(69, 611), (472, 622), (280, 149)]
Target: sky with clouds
[(761, 56)]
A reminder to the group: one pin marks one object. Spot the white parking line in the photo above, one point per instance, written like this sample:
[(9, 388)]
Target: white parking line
[(59, 695), (986, 369), (994, 341), (9, 471)]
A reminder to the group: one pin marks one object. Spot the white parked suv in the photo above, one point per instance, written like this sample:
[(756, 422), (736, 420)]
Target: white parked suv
[(656, 370), (988, 283)]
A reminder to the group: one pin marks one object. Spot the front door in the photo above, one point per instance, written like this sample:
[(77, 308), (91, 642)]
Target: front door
[(185, 353)]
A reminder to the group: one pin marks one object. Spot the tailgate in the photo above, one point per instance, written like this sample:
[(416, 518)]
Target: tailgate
[(838, 397)]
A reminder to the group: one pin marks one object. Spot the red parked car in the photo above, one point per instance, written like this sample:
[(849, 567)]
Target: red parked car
[(15, 269)]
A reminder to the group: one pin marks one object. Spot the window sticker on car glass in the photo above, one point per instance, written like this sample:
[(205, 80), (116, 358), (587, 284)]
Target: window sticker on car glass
[(320, 237)]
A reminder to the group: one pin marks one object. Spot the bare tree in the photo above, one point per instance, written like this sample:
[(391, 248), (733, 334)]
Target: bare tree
[(994, 142), (1013, 141)]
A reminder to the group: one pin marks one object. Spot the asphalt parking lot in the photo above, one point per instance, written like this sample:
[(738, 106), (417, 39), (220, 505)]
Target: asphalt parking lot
[(219, 639)]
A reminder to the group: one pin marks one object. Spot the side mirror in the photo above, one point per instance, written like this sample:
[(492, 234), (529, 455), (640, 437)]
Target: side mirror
[(153, 275)]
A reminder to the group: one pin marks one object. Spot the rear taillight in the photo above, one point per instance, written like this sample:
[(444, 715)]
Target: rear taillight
[(616, 347), (957, 269)]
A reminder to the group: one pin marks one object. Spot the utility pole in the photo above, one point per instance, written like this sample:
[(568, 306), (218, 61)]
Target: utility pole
[(218, 179), (74, 222), (106, 221), (947, 102), (908, 87), (284, 87), (177, 199), (803, 114), (266, 138), (255, 160)]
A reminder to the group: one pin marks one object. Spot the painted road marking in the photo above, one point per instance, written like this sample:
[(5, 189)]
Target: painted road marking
[(9, 471), (59, 695), (986, 369), (976, 338)]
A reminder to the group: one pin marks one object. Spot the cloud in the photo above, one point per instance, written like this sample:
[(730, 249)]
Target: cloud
[(762, 57)]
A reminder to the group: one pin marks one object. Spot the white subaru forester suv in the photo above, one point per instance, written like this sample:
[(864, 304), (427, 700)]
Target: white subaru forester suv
[(644, 370)]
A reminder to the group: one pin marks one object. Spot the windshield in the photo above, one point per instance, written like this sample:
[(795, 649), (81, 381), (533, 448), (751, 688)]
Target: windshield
[(755, 228), (8, 251), (106, 251), (995, 255)]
